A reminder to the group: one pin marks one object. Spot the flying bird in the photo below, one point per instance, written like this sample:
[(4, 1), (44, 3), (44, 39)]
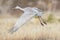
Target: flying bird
[(29, 12)]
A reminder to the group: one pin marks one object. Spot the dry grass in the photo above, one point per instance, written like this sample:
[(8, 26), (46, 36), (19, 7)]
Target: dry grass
[(32, 30)]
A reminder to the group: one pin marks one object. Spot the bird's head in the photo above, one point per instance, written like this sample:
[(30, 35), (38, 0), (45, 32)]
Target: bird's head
[(18, 7)]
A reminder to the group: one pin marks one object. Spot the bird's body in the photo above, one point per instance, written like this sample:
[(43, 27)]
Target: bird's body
[(29, 12), (31, 9)]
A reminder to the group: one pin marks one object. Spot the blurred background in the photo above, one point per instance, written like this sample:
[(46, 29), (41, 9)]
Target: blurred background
[(45, 5), (32, 30)]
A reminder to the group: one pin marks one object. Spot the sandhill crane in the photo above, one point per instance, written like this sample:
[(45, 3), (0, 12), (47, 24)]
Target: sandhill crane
[(29, 12)]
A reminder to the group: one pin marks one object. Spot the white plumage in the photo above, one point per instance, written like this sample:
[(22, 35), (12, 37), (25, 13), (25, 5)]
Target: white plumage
[(29, 12)]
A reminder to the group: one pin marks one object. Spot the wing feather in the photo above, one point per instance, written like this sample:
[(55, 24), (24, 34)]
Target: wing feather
[(22, 20)]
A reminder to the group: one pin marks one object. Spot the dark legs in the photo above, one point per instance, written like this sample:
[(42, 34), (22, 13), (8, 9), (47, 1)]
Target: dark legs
[(42, 21)]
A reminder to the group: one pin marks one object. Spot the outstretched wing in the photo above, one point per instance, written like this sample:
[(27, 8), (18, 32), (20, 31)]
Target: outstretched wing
[(22, 20)]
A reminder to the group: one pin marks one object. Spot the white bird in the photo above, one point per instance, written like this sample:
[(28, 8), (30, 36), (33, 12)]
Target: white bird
[(29, 12)]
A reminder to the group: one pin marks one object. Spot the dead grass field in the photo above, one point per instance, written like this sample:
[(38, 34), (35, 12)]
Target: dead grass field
[(32, 30)]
